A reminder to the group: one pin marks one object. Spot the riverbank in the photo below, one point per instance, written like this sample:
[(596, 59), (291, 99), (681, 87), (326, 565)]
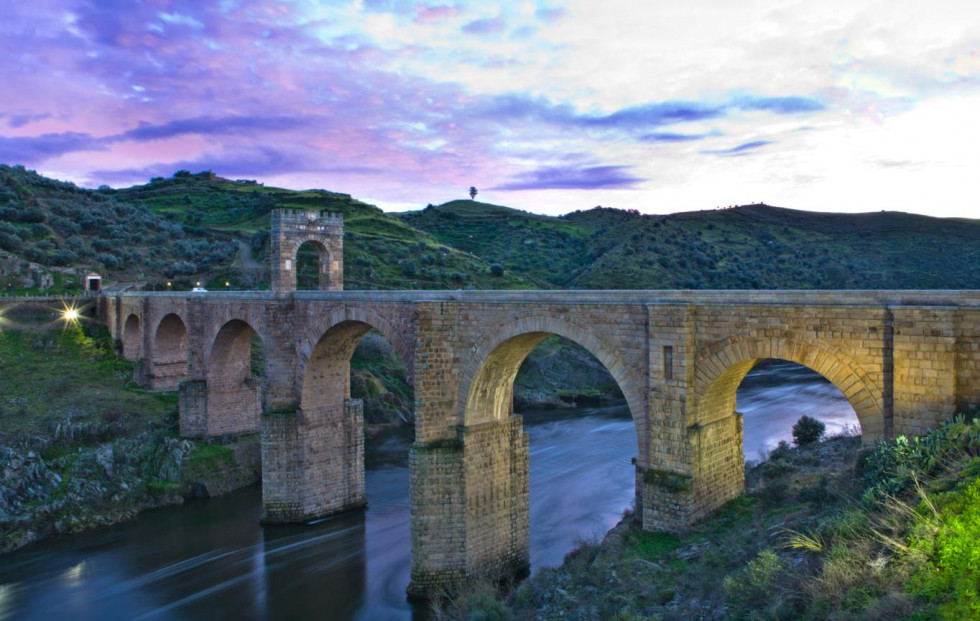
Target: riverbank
[(81, 447), (825, 531)]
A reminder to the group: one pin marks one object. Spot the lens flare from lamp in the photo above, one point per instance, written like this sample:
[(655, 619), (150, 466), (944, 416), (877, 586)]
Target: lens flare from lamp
[(70, 314)]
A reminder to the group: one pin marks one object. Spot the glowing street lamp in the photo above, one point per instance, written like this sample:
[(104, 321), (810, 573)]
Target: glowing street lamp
[(70, 314)]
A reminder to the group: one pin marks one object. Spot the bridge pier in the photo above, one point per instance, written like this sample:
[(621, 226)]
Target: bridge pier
[(470, 506), (312, 469)]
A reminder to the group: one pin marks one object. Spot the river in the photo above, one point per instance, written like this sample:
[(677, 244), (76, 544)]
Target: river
[(210, 559)]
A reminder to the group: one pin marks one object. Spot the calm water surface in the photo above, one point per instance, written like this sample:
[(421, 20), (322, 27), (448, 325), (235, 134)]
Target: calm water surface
[(209, 559)]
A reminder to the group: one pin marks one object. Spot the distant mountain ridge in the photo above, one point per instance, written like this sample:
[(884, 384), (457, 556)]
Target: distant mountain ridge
[(196, 227)]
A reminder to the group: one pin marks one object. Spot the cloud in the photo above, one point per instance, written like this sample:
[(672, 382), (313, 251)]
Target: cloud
[(741, 149), (672, 137), (31, 149), (486, 26), (431, 14), (547, 14), (212, 125), (257, 162), (20, 120), (588, 178), (780, 105), (656, 114)]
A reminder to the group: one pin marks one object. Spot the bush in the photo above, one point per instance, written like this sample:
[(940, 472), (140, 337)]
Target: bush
[(10, 242), (754, 584), (807, 431)]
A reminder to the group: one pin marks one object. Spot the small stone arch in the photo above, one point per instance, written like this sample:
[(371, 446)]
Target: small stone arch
[(402, 340), (233, 397), (487, 386), (169, 363), (719, 374), (132, 337)]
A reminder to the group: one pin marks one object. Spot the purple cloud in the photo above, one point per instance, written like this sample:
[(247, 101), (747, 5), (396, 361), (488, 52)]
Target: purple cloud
[(741, 149), (550, 15), (655, 114), (20, 120), (511, 107), (212, 125), (781, 105), (557, 178), (429, 14), (672, 137), (485, 26), (30, 149)]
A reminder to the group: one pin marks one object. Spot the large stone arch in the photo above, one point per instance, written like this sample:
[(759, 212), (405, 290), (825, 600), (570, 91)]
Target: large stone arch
[(480, 479), (714, 428), (232, 401), (718, 375), (487, 380), (169, 353), (132, 337)]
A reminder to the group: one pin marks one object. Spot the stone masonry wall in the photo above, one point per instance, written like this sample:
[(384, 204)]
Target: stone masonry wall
[(282, 468), (967, 359), (438, 509), (496, 462), (925, 363)]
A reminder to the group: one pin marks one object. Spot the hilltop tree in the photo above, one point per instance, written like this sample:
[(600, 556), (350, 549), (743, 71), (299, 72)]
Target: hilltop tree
[(473, 192)]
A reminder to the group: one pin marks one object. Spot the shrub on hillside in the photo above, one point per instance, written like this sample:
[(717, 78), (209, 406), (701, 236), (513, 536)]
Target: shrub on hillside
[(807, 430)]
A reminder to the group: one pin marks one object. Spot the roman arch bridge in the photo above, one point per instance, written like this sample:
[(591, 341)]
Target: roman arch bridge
[(905, 360)]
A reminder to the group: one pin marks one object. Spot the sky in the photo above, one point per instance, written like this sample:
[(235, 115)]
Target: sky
[(548, 106)]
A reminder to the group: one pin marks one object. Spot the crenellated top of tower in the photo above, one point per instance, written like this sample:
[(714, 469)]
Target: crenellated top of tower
[(303, 217)]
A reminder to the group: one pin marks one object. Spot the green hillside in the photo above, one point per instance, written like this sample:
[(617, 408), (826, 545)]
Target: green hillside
[(200, 227), (749, 247)]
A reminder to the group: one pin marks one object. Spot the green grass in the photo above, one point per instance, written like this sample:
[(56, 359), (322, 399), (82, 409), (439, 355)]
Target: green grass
[(49, 375)]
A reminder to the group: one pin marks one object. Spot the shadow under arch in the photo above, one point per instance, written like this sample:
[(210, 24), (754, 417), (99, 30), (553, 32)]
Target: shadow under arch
[(131, 337), (169, 353)]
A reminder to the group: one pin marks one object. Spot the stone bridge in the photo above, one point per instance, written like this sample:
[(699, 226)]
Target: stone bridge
[(905, 360)]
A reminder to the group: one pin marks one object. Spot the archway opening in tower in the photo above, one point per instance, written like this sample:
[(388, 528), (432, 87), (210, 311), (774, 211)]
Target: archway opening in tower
[(581, 440), (776, 394), (311, 264)]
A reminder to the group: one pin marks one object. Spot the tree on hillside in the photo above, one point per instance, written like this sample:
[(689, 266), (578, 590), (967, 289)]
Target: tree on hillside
[(473, 192)]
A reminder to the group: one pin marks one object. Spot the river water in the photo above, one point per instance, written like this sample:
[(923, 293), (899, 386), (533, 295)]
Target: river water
[(210, 559)]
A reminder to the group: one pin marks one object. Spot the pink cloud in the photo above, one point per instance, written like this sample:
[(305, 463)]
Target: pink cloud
[(428, 14)]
